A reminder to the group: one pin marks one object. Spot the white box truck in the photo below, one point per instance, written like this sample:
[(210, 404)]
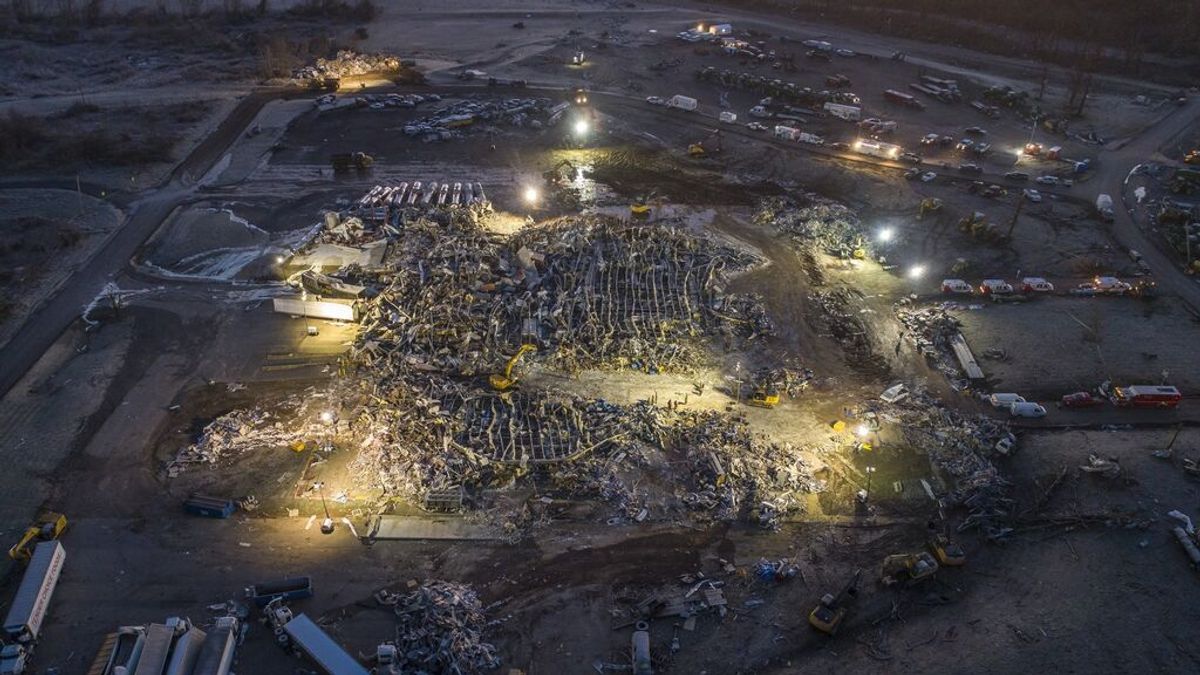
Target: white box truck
[(24, 621), (787, 133), (850, 113), (877, 149), (682, 102), (727, 117)]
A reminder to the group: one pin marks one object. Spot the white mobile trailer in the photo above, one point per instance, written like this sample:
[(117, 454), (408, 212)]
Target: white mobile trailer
[(24, 621), (321, 648), (787, 133), (682, 102), (877, 149), (317, 309), (850, 113)]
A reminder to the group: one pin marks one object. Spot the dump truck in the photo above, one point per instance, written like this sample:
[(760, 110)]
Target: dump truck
[(1104, 206), (682, 102), (24, 621), (320, 648)]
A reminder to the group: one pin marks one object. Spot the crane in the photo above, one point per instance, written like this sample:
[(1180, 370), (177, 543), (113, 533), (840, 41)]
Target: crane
[(505, 381)]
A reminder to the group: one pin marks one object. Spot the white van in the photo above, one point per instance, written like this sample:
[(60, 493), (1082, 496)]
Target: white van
[(995, 287), (956, 286), (1026, 409), (1036, 285), (1005, 400)]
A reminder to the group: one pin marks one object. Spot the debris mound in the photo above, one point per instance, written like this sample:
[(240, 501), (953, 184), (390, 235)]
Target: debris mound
[(811, 220), (440, 631)]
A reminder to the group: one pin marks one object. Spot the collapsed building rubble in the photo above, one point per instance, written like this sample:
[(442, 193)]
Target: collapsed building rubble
[(234, 433), (847, 326), (440, 629), (960, 445), (811, 220), (347, 63)]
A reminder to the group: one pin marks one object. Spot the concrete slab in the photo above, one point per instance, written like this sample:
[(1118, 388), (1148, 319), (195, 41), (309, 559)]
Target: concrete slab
[(397, 528)]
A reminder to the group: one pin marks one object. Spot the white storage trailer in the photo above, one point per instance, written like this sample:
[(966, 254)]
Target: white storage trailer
[(321, 648), (24, 621), (317, 309), (682, 102), (216, 652), (850, 113)]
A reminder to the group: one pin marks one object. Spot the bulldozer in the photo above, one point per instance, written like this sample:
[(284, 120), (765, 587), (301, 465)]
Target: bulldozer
[(828, 615), (929, 205), (47, 527), (505, 381), (643, 205), (764, 397), (908, 568), (703, 148), (946, 550), (351, 160)]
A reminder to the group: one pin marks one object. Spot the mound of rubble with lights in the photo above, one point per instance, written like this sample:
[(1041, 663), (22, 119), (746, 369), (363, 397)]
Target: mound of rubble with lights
[(452, 301)]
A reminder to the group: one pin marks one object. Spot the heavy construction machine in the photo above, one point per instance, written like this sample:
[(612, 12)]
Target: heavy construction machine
[(929, 205), (828, 615), (562, 172), (505, 381), (643, 205), (351, 160), (947, 551), (47, 527), (908, 568), (708, 144), (766, 396)]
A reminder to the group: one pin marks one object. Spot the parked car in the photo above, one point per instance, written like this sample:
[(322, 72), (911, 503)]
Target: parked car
[(912, 174), (756, 126), (1017, 175), (1111, 285), (1046, 180), (965, 145), (1032, 195), (928, 177), (848, 53), (976, 131), (970, 168), (930, 139), (956, 286), (1080, 399), (1005, 400), (840, 146), (1026, 409), (911, 158)]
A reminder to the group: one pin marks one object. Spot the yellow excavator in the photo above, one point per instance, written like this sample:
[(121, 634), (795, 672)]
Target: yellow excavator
[(946, 550), (764, 397), (505, 381), (929, 205), (48, 527), (702, 148), (908, 568), (828, 615)]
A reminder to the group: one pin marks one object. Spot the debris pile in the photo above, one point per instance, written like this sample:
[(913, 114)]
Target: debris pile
[(960, 445), (847, 326), (233, 434), (812, 220), (347, 63), (932, 330), (441, 628), (738, 474)]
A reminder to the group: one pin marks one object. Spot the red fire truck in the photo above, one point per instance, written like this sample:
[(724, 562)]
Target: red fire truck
[(1146, 396)]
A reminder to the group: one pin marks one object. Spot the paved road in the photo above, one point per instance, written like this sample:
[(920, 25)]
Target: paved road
[(1110, 179), (46, 323)]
